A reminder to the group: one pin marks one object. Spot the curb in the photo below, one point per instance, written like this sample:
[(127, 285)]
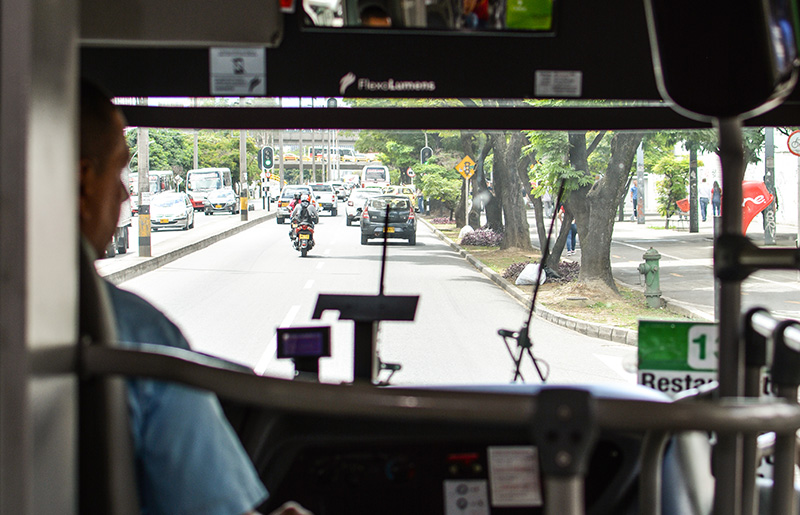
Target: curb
[(159, 261), (601, 331)]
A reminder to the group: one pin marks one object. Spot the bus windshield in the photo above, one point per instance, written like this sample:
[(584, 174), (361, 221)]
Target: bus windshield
[(609, 297), (206, 182)]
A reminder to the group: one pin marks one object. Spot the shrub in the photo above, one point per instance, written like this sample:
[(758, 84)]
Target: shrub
[(514, 269), (568, 270), (483, 238), (442, 221)]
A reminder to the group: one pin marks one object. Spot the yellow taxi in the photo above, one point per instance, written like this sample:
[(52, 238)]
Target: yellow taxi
[(406, 191)]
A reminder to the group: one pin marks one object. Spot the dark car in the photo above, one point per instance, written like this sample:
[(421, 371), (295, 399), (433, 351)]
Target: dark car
[(402, 221)]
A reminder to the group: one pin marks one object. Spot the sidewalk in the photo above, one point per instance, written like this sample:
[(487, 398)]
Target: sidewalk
[(687, 279)]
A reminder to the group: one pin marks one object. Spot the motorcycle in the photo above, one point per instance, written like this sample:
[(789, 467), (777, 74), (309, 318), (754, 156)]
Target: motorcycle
[(303, 237)]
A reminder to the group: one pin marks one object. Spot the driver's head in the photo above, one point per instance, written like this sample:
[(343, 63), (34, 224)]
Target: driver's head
[(103, 155), (297, 196)]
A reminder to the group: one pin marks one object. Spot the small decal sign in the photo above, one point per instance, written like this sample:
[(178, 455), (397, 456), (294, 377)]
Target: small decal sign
[(238, 72)]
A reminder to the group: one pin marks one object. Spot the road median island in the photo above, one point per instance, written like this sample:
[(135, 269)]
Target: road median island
[(149, 264), (600, 317)]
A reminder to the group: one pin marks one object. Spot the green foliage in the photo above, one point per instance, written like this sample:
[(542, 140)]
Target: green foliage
[(672, 187), (172, 149), (552, 153), (440, 183), (707, 140)]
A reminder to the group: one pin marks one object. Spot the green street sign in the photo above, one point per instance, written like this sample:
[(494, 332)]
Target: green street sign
[(676, 356)]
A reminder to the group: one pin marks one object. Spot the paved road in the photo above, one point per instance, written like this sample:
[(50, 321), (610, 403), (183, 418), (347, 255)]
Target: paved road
[(687, 268), (167, 240), (230, 297)]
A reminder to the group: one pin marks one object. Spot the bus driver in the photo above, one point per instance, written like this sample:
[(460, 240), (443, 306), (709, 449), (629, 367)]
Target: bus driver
[(188, 458)]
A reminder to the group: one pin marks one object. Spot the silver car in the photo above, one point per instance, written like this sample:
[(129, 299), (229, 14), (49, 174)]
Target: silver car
[(171, 209), (355, 204)]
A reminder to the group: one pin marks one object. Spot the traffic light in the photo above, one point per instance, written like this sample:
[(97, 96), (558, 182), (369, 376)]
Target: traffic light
[(425, 154), (265, 158)]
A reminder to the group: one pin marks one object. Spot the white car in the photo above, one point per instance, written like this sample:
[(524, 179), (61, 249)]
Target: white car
[(326, 197), (355, 204), (339, 188), (171, 209)]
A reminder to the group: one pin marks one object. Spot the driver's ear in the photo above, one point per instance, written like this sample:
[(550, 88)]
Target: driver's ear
[(86, 181)]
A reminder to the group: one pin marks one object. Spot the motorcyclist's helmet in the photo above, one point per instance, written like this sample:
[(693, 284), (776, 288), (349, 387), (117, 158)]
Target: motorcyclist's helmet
[(304, 202)]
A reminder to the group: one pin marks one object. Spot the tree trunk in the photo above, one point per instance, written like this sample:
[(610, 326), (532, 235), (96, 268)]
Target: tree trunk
[(557, 240), (480, 193), (494, 213), (554, 256), (595, 206), (507, 152)]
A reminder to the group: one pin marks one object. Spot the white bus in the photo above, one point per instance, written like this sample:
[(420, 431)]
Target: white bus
[(204, 180), (374, 175)]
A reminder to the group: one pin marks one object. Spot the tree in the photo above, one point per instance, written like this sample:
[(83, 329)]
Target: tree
[(171, 149), (441, 184), (509, 188), (672, 187), (593, 185)]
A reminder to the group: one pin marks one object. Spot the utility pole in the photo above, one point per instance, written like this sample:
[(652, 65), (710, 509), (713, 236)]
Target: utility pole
[(313, 155), (694, 224), (196, 136), (143, 168), (769, 181), (640, 186), (244, 190), (280, 165)]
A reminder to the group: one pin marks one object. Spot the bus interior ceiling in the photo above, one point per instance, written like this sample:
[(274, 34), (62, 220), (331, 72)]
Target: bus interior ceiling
[(607, 45)]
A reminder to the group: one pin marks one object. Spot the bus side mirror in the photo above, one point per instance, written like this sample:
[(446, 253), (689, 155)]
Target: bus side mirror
[(714, 61)]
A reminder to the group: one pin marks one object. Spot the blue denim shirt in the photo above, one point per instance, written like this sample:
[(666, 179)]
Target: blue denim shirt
[(188, 458)]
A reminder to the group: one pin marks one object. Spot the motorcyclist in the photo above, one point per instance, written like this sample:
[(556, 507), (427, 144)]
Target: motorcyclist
[(295, 201), (293, 204), (305, 212)]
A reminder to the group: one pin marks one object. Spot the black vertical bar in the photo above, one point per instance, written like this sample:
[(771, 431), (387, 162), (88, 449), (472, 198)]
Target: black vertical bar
[(728, 452)]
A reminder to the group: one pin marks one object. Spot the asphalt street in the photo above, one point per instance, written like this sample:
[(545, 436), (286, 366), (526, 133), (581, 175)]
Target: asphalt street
[(230, 297)]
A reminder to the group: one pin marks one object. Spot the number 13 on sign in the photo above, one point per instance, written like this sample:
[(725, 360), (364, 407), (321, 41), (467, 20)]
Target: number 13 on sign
[(703, 341)]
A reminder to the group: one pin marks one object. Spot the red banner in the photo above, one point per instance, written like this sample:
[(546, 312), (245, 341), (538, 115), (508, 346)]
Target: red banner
[(755, 198)]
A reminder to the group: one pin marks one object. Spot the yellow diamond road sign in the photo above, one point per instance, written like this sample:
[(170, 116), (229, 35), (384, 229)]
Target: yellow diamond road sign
[(466, 167)]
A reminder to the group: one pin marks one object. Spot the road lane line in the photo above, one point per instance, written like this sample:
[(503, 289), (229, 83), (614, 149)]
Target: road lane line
[(770, 281), (309, 284), (272, 346), (645, 250), (320, 265)]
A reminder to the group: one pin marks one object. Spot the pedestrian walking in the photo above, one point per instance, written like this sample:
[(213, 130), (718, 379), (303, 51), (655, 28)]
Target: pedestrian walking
[(704, 194), (572, 234), (547, 204), (716, 199), (572, 238), (635, 200)]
